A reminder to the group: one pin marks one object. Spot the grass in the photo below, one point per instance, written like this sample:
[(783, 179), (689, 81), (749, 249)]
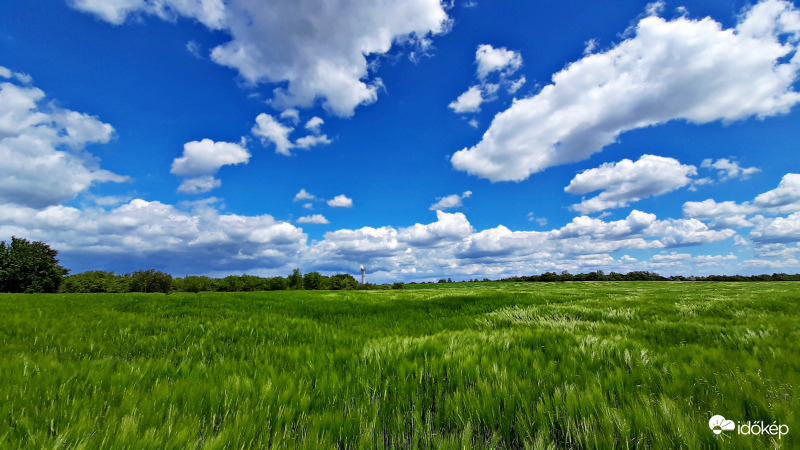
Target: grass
[(490, 365)]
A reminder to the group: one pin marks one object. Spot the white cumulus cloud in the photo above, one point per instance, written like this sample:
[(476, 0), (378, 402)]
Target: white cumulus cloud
[(314, 123), (291, 114), (211, 13), (319, 50), (727, 169), (206, 157), (340, 201), (682, 69), (450, 201), (469, 101), (309, 141), (489, 60), (726, 214), (304, 195), (23, 78), (627, 181), (778, 229), (448, 228), (143, 232), (314, 218), (42, 148), (502, 60), (784, 198), (270, 130)]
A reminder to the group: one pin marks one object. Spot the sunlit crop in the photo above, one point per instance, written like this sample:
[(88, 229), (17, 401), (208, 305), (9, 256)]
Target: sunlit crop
[(490, 365)]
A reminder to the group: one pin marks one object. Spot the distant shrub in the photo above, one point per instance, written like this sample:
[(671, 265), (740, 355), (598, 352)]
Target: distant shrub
[(150, 281), (95, 281), (193, 284), (276, 284), (343, 281), (315, 281)]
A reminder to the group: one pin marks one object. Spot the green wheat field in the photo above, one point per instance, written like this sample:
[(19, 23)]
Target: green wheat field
[(459, 365)]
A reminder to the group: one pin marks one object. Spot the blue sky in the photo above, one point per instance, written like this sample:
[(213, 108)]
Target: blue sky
[(421, 139)]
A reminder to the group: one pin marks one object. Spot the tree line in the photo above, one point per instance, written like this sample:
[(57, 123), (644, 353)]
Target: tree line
[(155, 281), (33, 267), (641, 275)]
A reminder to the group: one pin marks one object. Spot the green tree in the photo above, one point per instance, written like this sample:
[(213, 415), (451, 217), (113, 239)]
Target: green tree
[(193, 283), (295, 280), (275, 284), (315, 281), (343, 281), (29, 267), (95, 281), (150, 281)]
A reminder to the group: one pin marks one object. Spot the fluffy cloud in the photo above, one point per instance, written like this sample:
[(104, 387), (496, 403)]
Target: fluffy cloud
[(489, 60), (513, 86), (682, 69), (626, 181), (313, 124), (43, 148), (340, 201), (450, 201), (319, 51), (727, 169), (309, 141), (304, 195), (291, 114), (502, 60), (468, 102), (500, 243), (778, 229), (687, 232), (271, 130), (781, 200), (314, 218), (370, 243), (206, 157), (364, 243), (448, 228), (724, 214), (23, 78), (584, 237), (202, 159), (784, 198), (640, 225), (142, 232), (767, 231), (209, 12), (203, 240)]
